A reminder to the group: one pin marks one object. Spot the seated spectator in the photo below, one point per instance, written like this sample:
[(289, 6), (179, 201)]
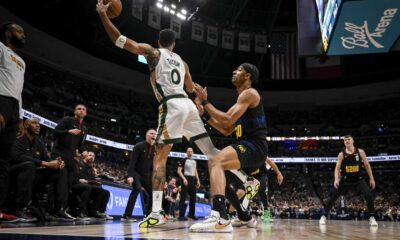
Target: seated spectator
[(33, 169), (171, 192), (95, 197)]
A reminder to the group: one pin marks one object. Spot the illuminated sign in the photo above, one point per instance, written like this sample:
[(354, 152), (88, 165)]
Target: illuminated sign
[(367, 26), (119, 198), (330, 14)]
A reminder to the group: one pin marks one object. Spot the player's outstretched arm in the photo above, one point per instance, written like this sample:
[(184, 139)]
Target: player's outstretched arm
[(226, 120), (122, 41)]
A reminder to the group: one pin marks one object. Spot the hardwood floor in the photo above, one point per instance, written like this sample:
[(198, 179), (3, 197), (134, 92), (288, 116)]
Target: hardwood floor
[(280, 229)]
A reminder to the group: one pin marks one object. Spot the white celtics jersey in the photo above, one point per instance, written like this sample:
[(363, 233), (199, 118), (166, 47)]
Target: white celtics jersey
[(169, 74)]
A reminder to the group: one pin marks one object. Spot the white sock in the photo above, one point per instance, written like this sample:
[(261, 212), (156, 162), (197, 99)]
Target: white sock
[(157, 201), (240, 174)]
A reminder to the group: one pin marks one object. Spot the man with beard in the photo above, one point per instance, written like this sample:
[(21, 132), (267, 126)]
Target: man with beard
[(33, 169), (12, 70)]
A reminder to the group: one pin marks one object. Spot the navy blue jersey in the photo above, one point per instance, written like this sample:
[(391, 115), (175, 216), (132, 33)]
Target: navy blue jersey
[(252, 124)]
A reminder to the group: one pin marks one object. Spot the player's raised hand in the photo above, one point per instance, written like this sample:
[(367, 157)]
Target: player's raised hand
[(200, 92), (101, 8)]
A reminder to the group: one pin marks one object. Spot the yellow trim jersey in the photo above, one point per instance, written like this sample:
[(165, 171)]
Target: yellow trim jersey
[(12, 70)]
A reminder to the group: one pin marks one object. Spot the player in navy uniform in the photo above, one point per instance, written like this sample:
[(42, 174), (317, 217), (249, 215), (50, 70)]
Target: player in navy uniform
[(348, 176), (248, 120)]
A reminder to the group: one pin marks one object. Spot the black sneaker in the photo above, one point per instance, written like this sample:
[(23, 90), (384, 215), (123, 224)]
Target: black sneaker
[(25, 217), (182, 218), (81, 216), (126, 218), (50, 217), (63, 216), (96, 214)]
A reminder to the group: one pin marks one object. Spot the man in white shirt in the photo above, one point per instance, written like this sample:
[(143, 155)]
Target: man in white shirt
[(12, 70)]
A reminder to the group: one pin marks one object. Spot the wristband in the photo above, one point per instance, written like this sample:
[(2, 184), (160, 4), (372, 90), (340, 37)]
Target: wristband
[(205, 117), (120, 42), (204, 102)]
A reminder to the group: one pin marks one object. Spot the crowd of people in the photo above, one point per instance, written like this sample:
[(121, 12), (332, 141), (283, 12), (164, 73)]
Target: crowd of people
[(54, 86)]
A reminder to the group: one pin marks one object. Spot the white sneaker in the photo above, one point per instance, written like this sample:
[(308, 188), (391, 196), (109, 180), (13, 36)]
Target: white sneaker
[(236, 222), (251, 186), (322, 220), (372, 222), (213, 223), (153, 219), (106, 216)]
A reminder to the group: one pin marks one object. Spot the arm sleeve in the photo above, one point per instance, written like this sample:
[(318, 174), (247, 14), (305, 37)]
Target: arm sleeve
[(62, 127), (43, 151), (19, 153)]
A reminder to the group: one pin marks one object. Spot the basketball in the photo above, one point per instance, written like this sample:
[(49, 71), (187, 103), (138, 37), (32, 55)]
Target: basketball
[(115, 8)]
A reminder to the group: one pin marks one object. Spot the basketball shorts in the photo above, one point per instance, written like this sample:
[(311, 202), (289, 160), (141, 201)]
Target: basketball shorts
[(179, 117), (251, 152)]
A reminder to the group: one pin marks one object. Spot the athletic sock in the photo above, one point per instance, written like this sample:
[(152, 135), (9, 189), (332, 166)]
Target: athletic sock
[(157, 201), (219, 206)]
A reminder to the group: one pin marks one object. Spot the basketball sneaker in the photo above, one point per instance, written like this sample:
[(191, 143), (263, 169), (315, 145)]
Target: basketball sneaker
[(372, 222), (153, 219), (322, 220), (252, 223), (251, 186), (8, 218), (266, 216), (213, 223)]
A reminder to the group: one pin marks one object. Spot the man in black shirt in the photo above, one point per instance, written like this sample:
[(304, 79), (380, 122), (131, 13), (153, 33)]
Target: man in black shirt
[(94, 198), (68, 137), (348, 176), (139, 174), (33, 169)]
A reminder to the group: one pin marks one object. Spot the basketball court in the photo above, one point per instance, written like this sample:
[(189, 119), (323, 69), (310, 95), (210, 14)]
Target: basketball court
[(280, 229)]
